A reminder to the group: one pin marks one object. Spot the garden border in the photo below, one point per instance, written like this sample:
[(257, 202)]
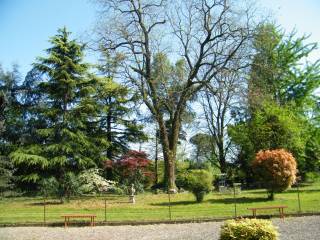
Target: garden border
[(138, 223)]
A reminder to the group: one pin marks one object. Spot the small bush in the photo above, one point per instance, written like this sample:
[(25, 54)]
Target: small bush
[(276, 169), (49, 187), (248, 229), (63, 189), (313, 177), (199, 182)]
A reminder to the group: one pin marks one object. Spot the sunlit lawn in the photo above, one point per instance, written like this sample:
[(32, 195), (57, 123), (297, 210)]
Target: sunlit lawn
[(155, 207)]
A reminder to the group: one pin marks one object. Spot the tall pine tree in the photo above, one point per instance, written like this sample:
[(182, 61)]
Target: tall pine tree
[(63, 141), (11, 123), (116, 106)]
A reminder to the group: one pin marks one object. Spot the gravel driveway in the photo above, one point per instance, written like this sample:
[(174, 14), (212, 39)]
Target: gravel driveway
[(290, 229)]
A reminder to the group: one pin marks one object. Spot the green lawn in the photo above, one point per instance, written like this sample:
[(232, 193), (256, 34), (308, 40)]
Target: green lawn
[(155, 207)]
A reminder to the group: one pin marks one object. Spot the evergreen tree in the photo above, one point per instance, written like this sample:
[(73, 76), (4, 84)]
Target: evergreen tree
[(11, 119), (281, 96), (280, 71), (63, 141), (116, 106)]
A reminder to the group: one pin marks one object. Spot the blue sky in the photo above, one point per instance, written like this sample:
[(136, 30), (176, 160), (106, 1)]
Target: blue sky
[(26, 25)]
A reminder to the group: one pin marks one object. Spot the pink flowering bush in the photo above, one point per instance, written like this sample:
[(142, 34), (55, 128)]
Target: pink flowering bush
[(276, 169)]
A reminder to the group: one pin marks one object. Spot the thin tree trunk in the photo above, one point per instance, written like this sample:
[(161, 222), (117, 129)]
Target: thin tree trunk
[(156, 160)]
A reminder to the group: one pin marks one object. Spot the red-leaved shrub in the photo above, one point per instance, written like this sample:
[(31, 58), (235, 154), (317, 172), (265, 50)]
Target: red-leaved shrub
[(132, 167), (276, 169)]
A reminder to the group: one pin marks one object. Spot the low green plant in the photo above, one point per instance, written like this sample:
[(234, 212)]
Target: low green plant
[(51, 187), (312, 177), (198, 181), (248, 229)]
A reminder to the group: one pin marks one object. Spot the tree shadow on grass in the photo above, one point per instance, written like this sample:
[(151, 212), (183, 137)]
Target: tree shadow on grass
[(238, 200), (174, 203), (291, 190), (301, 191), (47, 203), (215, 201)]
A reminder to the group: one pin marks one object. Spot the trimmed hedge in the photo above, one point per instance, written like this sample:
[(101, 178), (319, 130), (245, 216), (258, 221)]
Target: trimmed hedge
[(248, 229)]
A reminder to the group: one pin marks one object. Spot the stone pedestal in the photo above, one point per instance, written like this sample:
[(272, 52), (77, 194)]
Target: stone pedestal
[(132, 199), (132, 191)]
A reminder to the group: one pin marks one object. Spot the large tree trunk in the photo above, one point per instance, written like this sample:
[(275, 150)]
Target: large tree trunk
[(169, 145), (221, 156), (171, 174)]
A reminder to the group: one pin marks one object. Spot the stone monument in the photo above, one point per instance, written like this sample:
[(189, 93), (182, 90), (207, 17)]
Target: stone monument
[(132, 191)]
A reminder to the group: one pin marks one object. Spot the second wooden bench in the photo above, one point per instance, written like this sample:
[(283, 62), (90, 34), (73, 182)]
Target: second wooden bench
[(68, 216), (281, 212)]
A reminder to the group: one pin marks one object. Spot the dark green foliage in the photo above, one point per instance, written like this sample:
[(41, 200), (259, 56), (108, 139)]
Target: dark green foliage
[(204, 148), (64, 118), (312, 150), (51, 187), (271, 127), (2, 109), (6, 175), (281, 96), (115, 107), (198, 181), (11, 123), (277, 70)]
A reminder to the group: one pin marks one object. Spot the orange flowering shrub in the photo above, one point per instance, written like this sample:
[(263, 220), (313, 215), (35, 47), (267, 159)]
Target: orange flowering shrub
[(276, 169)]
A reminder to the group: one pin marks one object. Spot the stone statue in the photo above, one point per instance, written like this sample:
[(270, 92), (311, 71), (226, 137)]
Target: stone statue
[(132, 191)]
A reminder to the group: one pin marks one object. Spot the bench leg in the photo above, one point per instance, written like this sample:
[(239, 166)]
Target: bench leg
[(282, 214), (65, 222), (254, 213)]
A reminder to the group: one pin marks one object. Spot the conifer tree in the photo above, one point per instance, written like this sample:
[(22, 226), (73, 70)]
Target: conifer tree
[(117, 105), (63, 142), (115, 117), (11, 123)]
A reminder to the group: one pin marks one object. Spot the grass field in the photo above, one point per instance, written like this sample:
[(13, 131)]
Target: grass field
[(155, 207)]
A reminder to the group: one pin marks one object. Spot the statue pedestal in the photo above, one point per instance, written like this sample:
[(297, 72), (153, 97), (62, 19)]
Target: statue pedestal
[(132, 199)]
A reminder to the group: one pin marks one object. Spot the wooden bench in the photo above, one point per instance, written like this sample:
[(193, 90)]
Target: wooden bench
[(281, 212), (68, 216)]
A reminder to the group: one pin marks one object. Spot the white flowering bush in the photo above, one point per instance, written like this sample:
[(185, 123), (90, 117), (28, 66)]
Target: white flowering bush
[(92, 182)]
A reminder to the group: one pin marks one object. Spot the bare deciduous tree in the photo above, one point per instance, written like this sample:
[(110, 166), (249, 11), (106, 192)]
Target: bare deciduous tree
[(206, 34), (218, 101)]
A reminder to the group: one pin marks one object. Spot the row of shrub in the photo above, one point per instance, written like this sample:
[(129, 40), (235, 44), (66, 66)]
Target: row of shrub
[(276, 169)]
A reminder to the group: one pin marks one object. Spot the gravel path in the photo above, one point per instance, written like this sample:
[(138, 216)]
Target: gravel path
[(290, 229)]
